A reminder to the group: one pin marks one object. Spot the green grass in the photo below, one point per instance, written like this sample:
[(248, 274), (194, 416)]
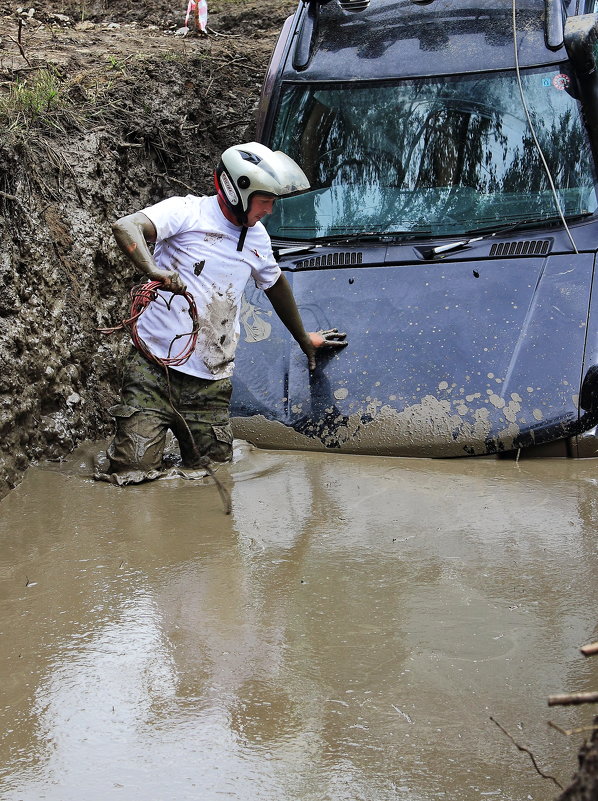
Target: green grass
[(32, 96)]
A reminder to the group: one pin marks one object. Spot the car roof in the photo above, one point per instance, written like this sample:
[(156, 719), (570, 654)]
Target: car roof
[(402, 38)]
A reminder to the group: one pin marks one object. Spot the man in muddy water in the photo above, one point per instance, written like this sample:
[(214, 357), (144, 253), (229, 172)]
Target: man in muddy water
[(207, 247)]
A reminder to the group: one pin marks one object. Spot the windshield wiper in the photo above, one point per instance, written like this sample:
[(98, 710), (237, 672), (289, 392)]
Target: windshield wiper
[(440, 250), (342, 239), (373, 236), (295, 249), (539, 221)]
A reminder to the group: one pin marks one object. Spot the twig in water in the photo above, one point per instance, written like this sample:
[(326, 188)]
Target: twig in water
[(529, 753), (568, 699), (569, 732)]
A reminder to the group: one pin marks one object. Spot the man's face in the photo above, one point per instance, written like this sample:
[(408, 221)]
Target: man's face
[(260, 206)]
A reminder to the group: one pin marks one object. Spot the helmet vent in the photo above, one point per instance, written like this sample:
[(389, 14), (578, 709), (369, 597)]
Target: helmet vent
[(252, 157), (530, 247), (353, 5), (346, 259)]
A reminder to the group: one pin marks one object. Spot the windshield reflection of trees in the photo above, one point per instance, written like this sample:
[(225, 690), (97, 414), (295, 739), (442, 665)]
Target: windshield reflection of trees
[(443, 155)]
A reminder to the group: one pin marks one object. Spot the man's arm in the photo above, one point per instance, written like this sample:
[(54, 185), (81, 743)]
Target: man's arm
[(132, 234), (281, 297)]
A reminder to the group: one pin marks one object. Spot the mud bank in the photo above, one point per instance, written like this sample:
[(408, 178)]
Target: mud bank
[(104, 109)]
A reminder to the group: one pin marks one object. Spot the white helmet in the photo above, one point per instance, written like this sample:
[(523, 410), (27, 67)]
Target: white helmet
[(245, 170)]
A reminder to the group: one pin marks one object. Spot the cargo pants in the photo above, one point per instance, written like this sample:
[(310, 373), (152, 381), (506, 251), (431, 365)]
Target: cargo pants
[(146, 412)]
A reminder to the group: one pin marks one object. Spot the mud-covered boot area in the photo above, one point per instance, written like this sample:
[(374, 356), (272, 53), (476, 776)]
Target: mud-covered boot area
[(104, 108)]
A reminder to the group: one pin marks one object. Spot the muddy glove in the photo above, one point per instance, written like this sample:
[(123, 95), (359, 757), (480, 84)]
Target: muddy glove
[(330, 338)]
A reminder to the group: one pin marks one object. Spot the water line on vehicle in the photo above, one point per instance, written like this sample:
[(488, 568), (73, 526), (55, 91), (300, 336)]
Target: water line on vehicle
[(533, 132)]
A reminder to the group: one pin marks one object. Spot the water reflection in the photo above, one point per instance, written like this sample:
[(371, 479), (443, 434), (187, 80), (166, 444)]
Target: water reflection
[(345, 634)]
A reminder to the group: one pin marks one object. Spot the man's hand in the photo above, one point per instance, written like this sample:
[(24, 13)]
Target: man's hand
[(321, 339), (171, 281)]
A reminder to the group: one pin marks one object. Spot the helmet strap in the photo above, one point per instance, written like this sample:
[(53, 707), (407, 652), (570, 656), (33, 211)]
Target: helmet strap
[(242, 236)]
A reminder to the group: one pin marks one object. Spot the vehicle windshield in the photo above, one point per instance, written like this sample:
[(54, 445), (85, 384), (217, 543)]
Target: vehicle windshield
[(432, 157)]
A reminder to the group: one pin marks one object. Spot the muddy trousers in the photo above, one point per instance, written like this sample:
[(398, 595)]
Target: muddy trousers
[(146, 413)]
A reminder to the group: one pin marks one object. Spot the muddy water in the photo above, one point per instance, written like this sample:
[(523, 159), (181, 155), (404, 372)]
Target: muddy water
[(347, 633)]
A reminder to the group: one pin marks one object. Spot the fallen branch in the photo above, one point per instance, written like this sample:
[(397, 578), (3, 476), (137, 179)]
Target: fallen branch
[(529, 753), (589, 649), (567, 699), (569, 732)]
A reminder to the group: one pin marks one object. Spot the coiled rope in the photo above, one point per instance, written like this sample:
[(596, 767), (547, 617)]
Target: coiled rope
[(141, 297)]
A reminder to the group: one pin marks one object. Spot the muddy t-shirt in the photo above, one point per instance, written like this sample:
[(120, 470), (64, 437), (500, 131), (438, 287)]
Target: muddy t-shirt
[(195, 239)]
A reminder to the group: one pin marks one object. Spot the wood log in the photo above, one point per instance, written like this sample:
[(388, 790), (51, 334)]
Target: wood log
[(572, 698)]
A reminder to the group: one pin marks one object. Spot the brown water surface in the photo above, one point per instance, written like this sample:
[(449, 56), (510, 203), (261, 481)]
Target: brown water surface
[(346, 633)]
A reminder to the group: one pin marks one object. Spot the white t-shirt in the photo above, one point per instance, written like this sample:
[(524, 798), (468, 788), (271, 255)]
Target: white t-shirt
[(196, 240)]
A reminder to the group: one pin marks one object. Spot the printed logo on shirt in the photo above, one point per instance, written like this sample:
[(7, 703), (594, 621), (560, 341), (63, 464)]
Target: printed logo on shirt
[(229, 189)]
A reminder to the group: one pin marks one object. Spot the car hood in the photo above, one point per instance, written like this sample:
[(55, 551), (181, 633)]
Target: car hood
[(444, 359)]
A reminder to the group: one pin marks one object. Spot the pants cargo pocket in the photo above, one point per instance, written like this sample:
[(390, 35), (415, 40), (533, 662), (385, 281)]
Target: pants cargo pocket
[(139, 440), (222, 450), (212, 437)]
